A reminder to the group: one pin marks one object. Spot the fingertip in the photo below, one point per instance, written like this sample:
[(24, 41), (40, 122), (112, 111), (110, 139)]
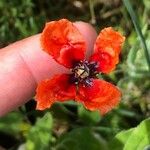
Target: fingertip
[(89, 33)]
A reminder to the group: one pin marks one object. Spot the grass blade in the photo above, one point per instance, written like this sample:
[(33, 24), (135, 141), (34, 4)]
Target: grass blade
[(133, 16)]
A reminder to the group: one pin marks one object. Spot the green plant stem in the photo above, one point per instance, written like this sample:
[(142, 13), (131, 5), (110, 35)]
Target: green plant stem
[(133, 16), (106, 129), (91, 5)]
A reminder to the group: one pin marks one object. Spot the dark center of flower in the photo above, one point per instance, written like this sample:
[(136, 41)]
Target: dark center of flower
[(83, 72)]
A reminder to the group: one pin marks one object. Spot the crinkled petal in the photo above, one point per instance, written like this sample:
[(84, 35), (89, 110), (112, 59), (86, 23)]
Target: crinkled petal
[(107, 63), (102, 96), (107, 49), (63, 41), (56, 89)]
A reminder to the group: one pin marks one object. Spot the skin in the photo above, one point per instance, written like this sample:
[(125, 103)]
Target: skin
[(23, 65)]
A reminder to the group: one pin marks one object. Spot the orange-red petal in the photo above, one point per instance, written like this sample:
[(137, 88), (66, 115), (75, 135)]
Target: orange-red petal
[(107, 63), (107, 49), (63, 41), (102, 96), (56, 89)]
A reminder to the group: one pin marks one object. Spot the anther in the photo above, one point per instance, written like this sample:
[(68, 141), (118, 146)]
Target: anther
[(84, 72)]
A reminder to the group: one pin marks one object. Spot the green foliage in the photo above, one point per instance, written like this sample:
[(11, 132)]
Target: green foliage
[(13, 124), (39, 136), (133, 139), (81, 139), (120, 139), (88, 117), (17, 18), (138, 29)]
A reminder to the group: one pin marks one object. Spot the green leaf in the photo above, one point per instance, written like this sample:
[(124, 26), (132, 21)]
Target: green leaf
[(39, 135), (120, 139), (81, 139), (12, 123), (88, 117), (133, 139), (140, 137)]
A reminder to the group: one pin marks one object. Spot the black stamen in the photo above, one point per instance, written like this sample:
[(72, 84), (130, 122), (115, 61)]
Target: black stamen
[(83, 72)]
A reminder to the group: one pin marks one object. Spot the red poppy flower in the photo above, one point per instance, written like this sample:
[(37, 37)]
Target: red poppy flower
[(63, 41)]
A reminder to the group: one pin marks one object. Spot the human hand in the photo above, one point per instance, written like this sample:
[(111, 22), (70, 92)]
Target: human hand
[(24, 64)]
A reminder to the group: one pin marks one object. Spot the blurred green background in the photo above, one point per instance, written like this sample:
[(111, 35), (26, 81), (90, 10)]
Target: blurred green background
[(68, 126)]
